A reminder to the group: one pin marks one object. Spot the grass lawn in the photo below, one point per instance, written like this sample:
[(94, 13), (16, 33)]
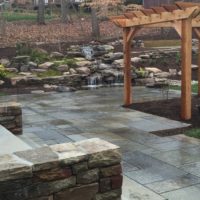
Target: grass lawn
[(23, 16), (176, 87), (162, 43), (195, 132)]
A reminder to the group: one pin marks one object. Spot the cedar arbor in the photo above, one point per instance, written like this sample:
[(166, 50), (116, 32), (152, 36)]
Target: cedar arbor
[(182, 16)]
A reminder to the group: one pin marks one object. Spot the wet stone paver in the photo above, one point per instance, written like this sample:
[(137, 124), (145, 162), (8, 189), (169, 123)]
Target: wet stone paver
[(155, 168)]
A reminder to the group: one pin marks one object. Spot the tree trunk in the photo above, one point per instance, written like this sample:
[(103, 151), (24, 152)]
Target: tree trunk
[(95, 24), (64, 11), (41, 12)]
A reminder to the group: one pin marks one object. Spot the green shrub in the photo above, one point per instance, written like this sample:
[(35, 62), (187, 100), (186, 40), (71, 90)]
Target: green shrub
[(38, 57), (71, 62), (141, 73), (23, 48), (2, 74)]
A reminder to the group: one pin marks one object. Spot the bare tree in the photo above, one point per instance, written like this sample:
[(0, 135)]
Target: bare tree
[(95, 24), (65, 11), (100, 8), (41, 12)]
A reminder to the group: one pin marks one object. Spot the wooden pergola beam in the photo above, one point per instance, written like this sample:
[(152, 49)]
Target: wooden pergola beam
[(184, 5), (142, 20)]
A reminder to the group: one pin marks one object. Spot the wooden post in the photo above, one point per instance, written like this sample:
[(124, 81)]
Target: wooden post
[(127, 68), (186, 69), (199, 69)]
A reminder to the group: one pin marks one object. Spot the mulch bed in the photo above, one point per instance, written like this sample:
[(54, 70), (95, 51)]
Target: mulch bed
[(170, 109)]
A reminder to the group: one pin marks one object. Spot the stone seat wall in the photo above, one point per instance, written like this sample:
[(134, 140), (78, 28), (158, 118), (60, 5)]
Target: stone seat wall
[(86, 170), (11, 117)]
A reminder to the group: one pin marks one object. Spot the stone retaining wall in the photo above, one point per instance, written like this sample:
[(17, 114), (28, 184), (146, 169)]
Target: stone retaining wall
[(11, 117), (86, 170)]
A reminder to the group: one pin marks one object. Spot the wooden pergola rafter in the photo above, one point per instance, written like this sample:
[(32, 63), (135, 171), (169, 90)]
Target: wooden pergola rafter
[(182, 16)]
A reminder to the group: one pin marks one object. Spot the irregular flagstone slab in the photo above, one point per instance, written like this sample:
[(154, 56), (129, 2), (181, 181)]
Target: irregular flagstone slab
[(151, 170), (177, 158), (173, 145), (131, 190), (12, 167), (173, 184), (193, 168), (192, 192), (187, 139)]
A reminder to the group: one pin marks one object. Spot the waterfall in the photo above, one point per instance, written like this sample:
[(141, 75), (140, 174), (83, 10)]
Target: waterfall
[(94, 81), (118, 78)]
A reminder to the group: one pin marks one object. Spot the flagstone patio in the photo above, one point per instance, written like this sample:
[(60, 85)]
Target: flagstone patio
[(155, 168)]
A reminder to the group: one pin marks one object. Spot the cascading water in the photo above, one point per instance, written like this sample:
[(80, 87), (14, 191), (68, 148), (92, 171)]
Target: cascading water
[(94, 81), (104, 77), (118, 78)]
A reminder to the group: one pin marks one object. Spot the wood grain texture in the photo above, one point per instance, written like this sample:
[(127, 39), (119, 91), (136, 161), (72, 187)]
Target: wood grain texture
[(186, 51)]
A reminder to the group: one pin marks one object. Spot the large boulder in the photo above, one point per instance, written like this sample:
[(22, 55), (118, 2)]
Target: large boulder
[(5, 62), (84, 63), (109, 58), (12, 69), (119, 62), (1, 82), (136, 60), (83, 70), (56, 55), (46, 65), (153, 70), (145, 56), (21, 59), (110, 72), (24, 68), (103, 66), (72, 71), (108, 48), (63, 68), (32, 65), (162, 75), (40, 50), (38, 70)]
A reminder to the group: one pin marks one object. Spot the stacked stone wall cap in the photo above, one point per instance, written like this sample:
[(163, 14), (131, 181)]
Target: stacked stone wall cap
[(95, 151), (95, 145), (42, 158), (9, 106), (13, 167)]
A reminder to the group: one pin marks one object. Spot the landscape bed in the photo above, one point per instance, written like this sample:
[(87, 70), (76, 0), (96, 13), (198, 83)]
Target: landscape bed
[(170, 108)]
